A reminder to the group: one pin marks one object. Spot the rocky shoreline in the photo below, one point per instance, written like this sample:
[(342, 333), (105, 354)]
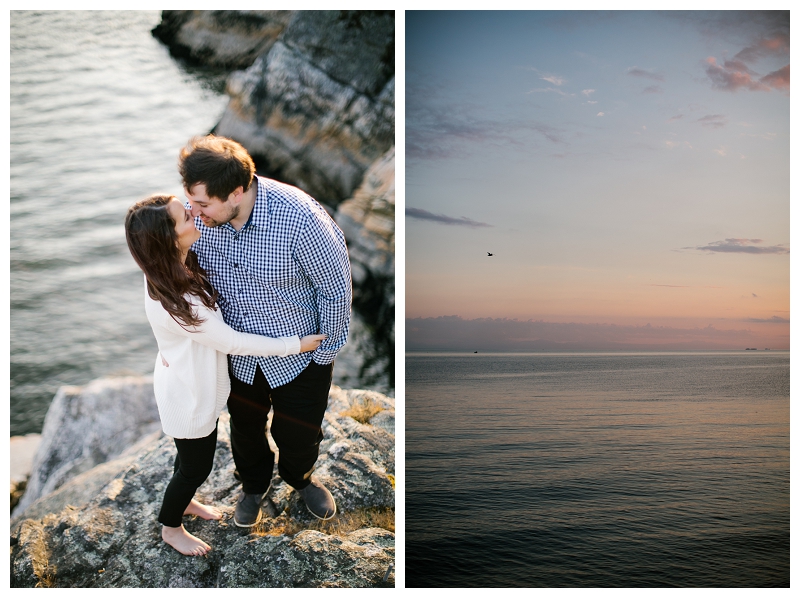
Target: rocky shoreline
[(93, 522)]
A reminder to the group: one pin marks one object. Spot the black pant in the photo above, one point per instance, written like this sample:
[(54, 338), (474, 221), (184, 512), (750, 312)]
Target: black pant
[(193, 463), (298, 408)]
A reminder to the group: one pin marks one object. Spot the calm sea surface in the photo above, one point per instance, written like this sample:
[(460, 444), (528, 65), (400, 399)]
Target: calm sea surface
[(568, 470), (99, 111)]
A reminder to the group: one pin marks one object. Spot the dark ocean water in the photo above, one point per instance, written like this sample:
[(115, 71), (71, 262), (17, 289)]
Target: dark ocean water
[(99, 111), (597, 470)]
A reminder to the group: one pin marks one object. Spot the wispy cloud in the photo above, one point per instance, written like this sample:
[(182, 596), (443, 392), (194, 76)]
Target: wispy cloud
[(775, 45), (729, 78), (713, 120), (442, 219), (770, 32), (767, 136), (588, 92), (549, 89), (772, 320), (674, 118), (438, 128), (653, 89), (554, 80), (637, 72), (549, 77), (752, 246), (601, 114), (755, 24), (778, 79)]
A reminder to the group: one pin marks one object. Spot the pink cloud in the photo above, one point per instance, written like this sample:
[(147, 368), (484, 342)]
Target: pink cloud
[(731, 78), (738, 66), (778, 79), (734, 74), (768, 46)]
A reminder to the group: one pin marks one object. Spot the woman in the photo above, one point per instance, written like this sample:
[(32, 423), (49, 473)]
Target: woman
[(191, 380)]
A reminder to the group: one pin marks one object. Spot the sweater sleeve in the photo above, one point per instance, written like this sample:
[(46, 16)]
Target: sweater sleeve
[(216, 334)]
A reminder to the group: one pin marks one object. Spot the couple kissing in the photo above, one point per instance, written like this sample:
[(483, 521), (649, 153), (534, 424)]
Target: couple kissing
[(248, 292)]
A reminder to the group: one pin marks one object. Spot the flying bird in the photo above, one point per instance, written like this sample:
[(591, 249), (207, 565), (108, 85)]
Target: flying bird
[(488, 254)]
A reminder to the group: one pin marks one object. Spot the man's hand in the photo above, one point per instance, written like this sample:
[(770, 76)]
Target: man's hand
[(164, 361), (311, 342)]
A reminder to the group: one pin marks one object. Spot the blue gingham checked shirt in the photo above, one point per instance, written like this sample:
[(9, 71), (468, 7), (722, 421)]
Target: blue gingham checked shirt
[(285, 272)]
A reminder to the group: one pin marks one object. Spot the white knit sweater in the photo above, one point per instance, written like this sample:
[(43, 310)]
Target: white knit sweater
[(192, 391)]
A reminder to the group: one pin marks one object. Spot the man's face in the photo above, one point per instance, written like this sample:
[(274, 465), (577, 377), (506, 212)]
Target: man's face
[(211, 210)]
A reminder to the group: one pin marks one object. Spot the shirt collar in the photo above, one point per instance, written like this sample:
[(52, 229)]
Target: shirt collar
[(259, 215)]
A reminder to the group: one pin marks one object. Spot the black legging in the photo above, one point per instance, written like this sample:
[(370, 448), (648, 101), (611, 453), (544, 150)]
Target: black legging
[(193, 463)]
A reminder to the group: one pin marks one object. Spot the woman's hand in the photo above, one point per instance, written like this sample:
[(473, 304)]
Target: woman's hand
[(164, 362), (311, 342)]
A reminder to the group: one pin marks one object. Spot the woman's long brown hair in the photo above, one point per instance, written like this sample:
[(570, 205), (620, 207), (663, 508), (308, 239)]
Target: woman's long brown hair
[(153, 243)]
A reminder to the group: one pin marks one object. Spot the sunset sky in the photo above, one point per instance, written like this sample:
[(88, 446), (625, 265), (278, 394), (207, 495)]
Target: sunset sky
[(624, 169)]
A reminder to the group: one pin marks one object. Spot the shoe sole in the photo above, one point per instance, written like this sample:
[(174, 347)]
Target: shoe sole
[(237, 524), (331, 516)]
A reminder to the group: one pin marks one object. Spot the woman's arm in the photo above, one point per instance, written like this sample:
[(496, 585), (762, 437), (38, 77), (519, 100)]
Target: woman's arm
[(219, 336)]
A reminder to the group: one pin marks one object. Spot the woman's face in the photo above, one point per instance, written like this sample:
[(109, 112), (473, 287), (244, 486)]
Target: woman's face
[(184, 225)]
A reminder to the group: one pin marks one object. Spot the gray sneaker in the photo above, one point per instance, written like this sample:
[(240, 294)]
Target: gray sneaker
[(319, 500), (248, 509)]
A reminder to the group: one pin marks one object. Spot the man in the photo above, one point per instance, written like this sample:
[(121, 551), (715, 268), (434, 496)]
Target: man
[(280, 265)]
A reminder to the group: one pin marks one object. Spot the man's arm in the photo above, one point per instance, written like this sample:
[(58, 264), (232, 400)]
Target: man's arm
[(322, 253)]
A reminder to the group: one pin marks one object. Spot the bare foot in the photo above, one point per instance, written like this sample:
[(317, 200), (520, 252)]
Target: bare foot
[(201, 510), (183, 541)]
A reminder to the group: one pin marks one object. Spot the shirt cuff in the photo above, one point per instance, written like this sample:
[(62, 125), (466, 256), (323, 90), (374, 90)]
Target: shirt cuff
[(323, 357), (292, 345)]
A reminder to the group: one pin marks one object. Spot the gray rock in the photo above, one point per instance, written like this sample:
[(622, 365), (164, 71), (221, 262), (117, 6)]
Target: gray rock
[(352, 46), (86, 426), (367, 220), (220, 38), (113, 539), (317, 109), (81, 489), (315, 105)]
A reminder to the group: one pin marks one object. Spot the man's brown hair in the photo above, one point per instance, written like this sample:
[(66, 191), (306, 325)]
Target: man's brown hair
[(219, 163)]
